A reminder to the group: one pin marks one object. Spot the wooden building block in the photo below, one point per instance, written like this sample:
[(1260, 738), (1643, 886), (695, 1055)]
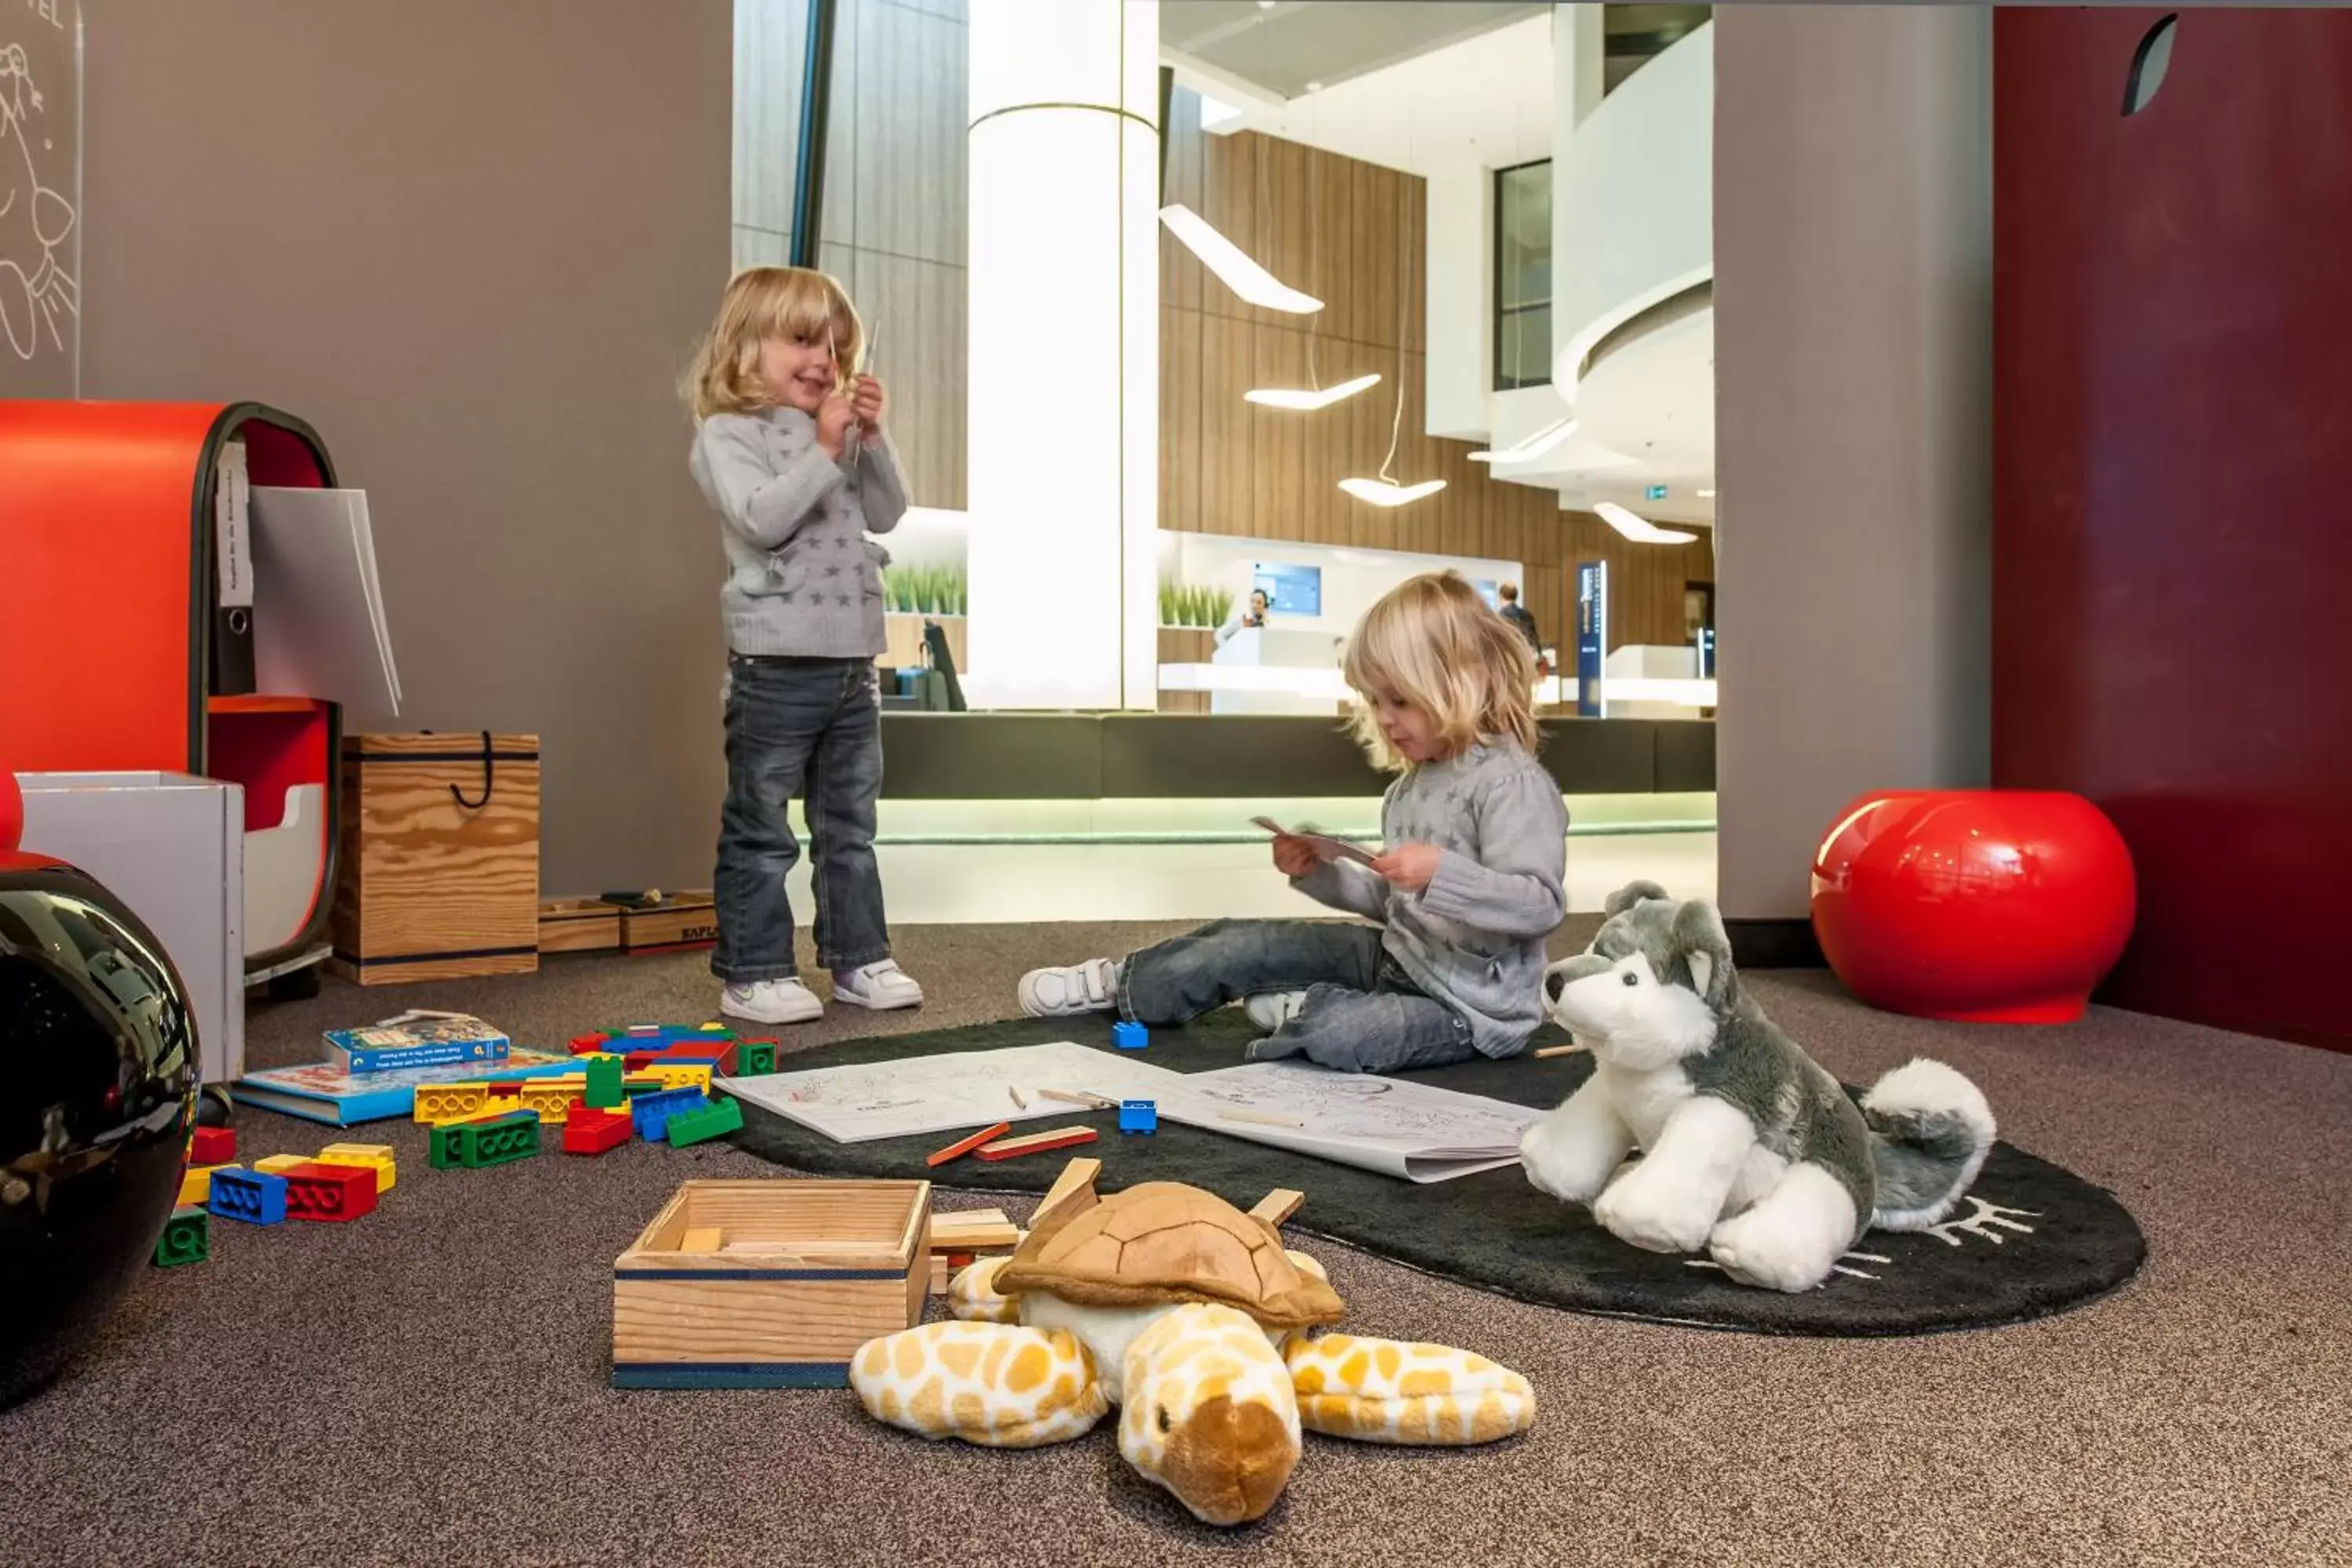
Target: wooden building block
[(702, 1238), (578, 925), (973, 1230), (963, 1146), (1073, 1191), (1278, 1205), (812, 1271), (1035, 1142)]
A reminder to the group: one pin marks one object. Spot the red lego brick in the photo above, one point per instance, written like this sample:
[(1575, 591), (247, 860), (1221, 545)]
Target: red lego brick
[(335, 1193), (584, 1044), (591, 1131), (214, 1146)]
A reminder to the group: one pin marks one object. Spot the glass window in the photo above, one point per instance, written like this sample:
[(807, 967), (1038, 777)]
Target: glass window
[(1523, 276)]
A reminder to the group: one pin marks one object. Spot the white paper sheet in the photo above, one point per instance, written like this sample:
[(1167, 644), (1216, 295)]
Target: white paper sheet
[(945, 1093), (319, 626), (1399, 1127)]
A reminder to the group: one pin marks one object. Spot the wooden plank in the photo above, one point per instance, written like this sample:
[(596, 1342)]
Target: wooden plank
[(980, 1230), (1278, 1205), (963, 1146), (702, 1238), (1037, 1142), (1072, 1193)]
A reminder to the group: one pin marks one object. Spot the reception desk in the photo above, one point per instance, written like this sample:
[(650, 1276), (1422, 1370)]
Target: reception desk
[(1265, 669)]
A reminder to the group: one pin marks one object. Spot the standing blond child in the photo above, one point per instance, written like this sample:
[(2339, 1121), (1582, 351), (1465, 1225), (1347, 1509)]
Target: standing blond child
[(1470, 885), (791, 449)]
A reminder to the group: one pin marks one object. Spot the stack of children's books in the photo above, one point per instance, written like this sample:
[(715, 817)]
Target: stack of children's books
[(371, 1074)]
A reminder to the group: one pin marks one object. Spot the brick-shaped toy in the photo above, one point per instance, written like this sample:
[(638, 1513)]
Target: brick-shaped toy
[(256, 1198), (1139, 1116), (650, 1114), (697, 1126), (377, 1157), (213, 1146), (196, 1183), (279, 1164), (604, 1086), (492, 1140), (1129, 1037), (753, 1057), (331, 1193), (593, 1132), (441, 1101), (185, 1239)]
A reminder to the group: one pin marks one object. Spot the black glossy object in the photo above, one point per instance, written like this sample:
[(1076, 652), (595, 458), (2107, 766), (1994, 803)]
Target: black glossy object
[(98, 1097)]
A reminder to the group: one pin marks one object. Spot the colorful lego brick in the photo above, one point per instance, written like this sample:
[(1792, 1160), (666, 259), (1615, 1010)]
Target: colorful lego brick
[(1129, 1037), (279, 1164), (1139, 1116), (753, 1057), (474, 1145), (593, 1132), (584, 1044), (635, 1084), (443, 1101), (187, 1238), (695, 1076), (332, 1193), (699, 1126), (213, 1146), (603, 1086), (376, 1157), (256, 1198), (650, 1114), (553, 1104), (196, 1185)]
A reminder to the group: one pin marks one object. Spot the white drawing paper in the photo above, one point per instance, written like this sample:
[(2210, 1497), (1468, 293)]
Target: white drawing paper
[(1394, 1126), (959, 1090)]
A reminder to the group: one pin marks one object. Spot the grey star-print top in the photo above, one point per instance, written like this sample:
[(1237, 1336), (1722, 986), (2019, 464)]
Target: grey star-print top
[(1473, 938), (802, 577)]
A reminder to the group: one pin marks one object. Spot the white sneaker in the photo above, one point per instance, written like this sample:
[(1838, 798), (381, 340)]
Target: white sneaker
[(1088, 987), (880, 986), (1270, 1010), (783, 1001)]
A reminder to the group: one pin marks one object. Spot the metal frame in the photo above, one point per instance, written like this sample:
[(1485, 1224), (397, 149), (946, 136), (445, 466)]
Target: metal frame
[(1494, 270), (816, 113)]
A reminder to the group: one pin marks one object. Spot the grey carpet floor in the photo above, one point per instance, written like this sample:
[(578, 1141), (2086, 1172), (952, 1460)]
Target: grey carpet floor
[(428, 1384)]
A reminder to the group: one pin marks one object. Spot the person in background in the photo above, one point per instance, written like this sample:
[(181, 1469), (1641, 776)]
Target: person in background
[(1251, 613), (1470, 886), (789, 450), (1519, 616)]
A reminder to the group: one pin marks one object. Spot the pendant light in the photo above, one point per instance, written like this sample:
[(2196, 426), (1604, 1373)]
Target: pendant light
[(1314, 394), (1640, 530), (1221, 256), (1385, 490), (1531, 446)]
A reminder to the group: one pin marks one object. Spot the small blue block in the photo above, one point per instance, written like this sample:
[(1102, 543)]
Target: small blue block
[(1139, 1116), (257, 1197), (651, 1112), (1129, 1037)]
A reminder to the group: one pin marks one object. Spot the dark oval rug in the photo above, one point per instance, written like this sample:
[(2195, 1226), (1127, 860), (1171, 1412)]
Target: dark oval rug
[(2031, 1239)]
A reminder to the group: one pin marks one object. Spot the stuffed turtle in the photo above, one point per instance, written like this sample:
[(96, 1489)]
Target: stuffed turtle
[(1188, 1314)]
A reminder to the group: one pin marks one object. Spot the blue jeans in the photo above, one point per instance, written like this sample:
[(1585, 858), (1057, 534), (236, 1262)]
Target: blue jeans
[(811, 728), (1363, 1012)]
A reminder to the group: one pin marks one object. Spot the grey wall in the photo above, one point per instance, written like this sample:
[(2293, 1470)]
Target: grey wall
[(472, 244), (1853, 296)]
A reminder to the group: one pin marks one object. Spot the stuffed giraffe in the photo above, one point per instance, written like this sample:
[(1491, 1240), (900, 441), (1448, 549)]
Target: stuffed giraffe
[(1191, 1318)]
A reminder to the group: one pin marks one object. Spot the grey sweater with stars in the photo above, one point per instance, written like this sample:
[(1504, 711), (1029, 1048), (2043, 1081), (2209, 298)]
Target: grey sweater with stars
[(1473, 938), (803, 580)]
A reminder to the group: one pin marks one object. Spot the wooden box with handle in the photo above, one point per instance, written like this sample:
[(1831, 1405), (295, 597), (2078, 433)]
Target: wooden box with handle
[(440, 873)]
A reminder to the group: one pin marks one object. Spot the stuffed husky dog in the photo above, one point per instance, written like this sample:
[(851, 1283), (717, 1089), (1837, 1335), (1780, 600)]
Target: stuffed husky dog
[(1749, 1149)]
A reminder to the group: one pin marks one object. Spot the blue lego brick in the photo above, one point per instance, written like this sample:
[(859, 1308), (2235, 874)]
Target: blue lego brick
[(257, 1197), (1139, 1116), (1129, 1037), (650, 1114)]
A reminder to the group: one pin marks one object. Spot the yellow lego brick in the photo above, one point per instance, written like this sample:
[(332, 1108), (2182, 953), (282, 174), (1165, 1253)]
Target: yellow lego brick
[(552, 1103), (376, 1157), (278, 1163), (196, 1187), (680, 1075), (438, 1103)]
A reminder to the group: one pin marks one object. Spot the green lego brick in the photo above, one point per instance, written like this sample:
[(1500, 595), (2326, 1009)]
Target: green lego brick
[(699, 1126), (604, 1083), (485, 1143), (754, 1057), (187, 1238), (443, 1150)]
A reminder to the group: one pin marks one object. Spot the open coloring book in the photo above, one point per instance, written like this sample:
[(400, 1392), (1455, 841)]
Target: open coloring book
[(1411, 1130)]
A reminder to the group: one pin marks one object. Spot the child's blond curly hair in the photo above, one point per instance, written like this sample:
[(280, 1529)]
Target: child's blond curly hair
[(1432, 643), (763, 303)]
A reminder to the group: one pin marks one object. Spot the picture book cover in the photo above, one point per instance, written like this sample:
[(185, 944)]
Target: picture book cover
[(415, 1039)]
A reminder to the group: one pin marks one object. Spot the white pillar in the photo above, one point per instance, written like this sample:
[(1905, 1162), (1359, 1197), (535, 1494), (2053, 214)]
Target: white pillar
[(1854, 366), (1063, 480)]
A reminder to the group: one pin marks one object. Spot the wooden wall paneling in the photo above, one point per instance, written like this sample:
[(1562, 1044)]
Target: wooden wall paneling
[(1377, 259), (1180, 420), (920, 356), (847, 127), (761, 247), (1279, 500), (1228, 446), (1329, 272), (1229, 202), (953, 10), (1289, 220), (771, 44), (1180, 272), (909, 141)]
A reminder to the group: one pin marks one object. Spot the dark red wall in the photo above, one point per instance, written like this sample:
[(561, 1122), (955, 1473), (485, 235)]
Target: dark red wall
[(2173, 581)]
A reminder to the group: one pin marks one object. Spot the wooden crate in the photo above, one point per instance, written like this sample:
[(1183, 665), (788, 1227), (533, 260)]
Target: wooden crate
[(768, 1284), (436, 881), (578, 925), (681, 919)]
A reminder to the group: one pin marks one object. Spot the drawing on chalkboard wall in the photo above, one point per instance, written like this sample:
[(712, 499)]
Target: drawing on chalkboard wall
[(37, 290)]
